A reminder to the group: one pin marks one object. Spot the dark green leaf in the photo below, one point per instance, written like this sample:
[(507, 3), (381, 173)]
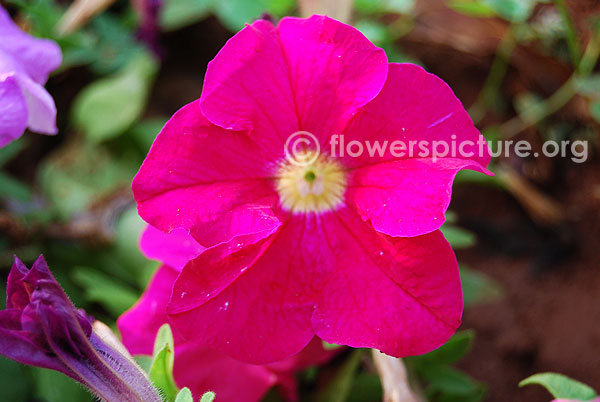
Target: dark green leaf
[(11, 150), (15, 383), (478, 287), (338, 388), (12, 188), (452, 351), (52, 386), (103, 289), (458, 237), (448, 380), (595, 110)]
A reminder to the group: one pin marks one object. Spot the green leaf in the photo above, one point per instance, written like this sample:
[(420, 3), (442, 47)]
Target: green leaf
[(589, 85), (103, 289), (15, 383), (330, 346), (185, 395), (375, 31), (11, 151), (384, 6), (513, 10), (338, 388), (79, 174), (458, 237), (52, 386), (145, 362), (365, 387), (448, 380), (234, 14), (109, 106), (561, 386), (177, 14), (400, 6), (161, 371), (452, 351), (145, 131), (595, 110), (208, 397), (13, 188), (472, 8), (478, 288)]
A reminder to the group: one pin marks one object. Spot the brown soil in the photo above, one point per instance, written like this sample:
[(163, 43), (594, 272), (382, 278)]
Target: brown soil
[(548, 319)]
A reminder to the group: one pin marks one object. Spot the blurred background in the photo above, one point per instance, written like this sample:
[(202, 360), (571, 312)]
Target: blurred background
[(527, 239)]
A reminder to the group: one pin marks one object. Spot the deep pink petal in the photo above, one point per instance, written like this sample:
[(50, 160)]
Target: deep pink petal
[(174, 249), (406, 197), (334, 70), (202, 369), (210, 181), (263, 294), (138, 325), (13, 118), (247, 87), (196, 366), (414, 105), (331, 274), (399, 295), (306, 74)]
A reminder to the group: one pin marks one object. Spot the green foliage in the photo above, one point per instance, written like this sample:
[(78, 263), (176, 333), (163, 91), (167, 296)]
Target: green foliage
[(458, 237), (365, 387), (561, 386), (208, 397), (109, 106), (232, 13), (17, 386), (52, 386), (338, 388), (443, 382), (161, 370), (451, 352), (106, 44), (513, 10), (478, 288), (185, 395), (80, 174), (384, 6), (115, 297)]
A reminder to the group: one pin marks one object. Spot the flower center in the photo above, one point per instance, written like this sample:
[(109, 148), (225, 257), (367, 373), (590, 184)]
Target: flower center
[(317, 186)]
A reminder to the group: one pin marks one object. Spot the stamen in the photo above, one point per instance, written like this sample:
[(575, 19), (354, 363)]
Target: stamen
[(317, 187)]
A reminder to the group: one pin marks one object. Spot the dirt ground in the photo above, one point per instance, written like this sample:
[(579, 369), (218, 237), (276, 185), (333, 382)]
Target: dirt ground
[(548, 319)]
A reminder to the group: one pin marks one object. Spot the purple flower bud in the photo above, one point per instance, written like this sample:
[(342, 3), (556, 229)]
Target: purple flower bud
[(41, 327), (148, 14)]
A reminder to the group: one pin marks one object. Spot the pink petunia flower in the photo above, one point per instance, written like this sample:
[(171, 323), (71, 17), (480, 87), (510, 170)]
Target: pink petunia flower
[(572, 400), (345, 247), (25, 63), (198, 367)]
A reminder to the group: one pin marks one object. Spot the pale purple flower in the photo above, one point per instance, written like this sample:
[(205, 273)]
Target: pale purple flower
[(25, 63)]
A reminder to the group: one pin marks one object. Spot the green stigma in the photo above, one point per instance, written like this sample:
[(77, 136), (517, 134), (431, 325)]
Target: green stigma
[(310, 176)]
